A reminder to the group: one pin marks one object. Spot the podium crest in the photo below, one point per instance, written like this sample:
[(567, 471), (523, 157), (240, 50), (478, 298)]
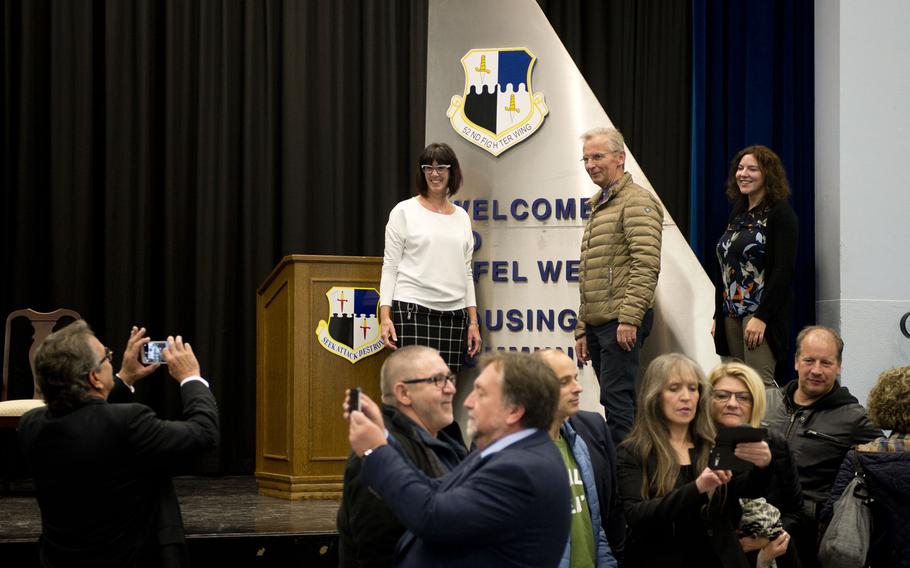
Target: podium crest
[(352, 330), (499, 108)]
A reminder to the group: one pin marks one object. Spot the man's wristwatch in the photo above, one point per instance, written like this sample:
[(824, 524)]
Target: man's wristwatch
[(367, 453)]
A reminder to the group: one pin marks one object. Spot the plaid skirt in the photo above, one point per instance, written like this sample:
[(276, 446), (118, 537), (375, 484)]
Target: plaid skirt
[(445, 332)]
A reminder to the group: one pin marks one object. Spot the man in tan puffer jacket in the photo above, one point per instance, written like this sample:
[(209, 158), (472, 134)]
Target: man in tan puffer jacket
[(620, 261)]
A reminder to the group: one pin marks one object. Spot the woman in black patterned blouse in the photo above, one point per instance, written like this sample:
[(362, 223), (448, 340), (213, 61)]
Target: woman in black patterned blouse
[(757, 256)]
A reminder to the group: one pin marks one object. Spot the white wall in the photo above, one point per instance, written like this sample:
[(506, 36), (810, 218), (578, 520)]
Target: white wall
[(862, 156)]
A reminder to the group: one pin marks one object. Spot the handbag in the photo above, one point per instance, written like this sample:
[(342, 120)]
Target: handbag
[(847, 539)]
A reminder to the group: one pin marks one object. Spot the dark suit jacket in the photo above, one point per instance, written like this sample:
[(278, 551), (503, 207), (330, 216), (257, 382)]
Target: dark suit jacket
[(511, 508), (594, 431), (368, 532), (102, 474)]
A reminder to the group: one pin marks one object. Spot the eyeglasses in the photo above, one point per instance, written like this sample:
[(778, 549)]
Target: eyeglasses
[(108, 356), (724, 396), (596, 157), (437, 169), (437, 380)]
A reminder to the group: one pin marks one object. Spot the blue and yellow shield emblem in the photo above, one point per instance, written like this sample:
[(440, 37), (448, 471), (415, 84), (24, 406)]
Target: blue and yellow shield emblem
[(352, 330), (498, 108)]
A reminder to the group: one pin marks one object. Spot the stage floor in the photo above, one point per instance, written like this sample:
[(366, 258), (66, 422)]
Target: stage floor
[(219, 513)]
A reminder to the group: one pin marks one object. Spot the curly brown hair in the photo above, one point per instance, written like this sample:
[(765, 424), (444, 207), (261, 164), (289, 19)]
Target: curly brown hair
[(889, 400), (772, 169)]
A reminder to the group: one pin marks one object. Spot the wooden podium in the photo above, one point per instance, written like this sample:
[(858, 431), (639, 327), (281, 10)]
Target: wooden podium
[(301, 437)]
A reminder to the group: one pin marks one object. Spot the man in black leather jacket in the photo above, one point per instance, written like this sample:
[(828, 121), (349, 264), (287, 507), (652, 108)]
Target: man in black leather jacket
[(820, 419)]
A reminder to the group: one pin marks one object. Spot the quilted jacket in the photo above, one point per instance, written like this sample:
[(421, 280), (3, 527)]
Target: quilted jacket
[(888, 479), (620, 256)]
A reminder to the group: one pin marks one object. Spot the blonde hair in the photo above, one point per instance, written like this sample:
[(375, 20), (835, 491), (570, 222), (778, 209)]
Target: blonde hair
[(650, 433), (749, 377)]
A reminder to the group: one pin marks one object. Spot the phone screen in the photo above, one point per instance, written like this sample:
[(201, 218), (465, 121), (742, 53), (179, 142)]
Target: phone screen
[(151, 352)]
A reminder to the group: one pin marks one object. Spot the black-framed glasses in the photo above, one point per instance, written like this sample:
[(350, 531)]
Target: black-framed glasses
[(437, 380), (439, 168), (108, 356), (724, 396)]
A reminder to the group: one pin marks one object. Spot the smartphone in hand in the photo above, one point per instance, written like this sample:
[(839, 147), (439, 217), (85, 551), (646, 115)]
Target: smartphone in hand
[(151, 352), (722, 456), (354, 399)]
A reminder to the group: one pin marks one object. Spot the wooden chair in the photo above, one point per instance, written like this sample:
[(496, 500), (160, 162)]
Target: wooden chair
[(42, 325), (12, 410)]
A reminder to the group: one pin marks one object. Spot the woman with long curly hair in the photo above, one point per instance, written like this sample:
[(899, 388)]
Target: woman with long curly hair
[(681, 513), (757, 256)]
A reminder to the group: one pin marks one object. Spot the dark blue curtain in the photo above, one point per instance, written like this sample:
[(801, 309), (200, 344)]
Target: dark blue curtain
[(753, 83)]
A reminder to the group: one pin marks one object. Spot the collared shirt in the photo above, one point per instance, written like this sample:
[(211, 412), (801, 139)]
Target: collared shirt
[(605, 191), (507, 441), (183, 382), (895, 443)]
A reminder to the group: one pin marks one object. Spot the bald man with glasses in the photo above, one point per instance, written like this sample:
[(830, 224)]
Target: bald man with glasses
[(417, 396)]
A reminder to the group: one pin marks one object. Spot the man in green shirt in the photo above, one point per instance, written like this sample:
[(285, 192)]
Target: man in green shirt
[(588, 545)]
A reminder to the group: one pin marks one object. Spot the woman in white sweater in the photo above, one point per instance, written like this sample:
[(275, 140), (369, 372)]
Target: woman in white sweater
[(427, 289)]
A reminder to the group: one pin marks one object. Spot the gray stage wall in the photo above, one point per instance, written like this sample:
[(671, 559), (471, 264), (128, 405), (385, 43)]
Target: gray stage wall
[(546, 166), (862, 149)]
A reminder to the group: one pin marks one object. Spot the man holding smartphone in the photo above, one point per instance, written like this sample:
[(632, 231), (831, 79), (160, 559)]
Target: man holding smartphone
[(103, 471), (417, 393), (506, 504)]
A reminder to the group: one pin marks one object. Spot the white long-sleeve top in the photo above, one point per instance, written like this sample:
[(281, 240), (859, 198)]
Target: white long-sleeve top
[(427, 258)]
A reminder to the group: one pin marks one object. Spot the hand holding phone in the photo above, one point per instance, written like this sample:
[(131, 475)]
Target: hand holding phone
[(722, 456)]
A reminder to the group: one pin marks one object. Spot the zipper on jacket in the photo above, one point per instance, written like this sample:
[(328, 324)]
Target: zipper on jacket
[(828, 437), (611, 276), (790, 426)]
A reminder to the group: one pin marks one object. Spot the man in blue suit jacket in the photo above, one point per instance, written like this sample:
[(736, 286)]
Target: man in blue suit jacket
[(507, 504)]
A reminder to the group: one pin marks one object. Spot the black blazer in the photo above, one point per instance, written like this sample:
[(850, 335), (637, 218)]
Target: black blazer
[(102, 475), (594, 431)]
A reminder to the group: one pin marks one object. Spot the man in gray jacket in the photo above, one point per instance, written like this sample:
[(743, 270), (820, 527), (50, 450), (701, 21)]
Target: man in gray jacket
[(821, 421), (620, 261)]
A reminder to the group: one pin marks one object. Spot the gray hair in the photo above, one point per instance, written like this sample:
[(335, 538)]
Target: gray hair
[(397, 365), (615, 141), (61, 363)]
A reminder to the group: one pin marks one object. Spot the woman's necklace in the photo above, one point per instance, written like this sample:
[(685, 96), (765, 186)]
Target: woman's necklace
[(433, 207)]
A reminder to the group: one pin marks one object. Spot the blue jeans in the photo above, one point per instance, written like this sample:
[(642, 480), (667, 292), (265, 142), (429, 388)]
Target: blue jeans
[(616, 371)]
